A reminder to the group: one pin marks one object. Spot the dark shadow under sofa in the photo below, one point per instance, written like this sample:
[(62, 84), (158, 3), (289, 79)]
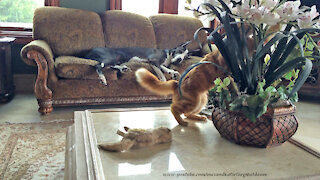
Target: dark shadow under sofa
[(61, 34)]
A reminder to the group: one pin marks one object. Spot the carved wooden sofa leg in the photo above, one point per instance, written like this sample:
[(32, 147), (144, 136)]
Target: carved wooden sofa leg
[(41, 90)]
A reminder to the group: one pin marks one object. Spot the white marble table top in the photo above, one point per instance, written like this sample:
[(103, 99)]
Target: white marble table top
[(196, 152)]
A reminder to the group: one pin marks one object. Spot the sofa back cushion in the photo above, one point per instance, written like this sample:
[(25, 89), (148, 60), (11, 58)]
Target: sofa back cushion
[(125, 29), (173, 30), (68, 31)]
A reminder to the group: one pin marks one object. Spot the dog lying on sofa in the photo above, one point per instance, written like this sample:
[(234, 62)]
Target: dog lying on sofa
[(159, 59)]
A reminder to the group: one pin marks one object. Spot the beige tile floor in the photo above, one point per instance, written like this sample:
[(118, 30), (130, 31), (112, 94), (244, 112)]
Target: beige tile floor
[(23, 109)]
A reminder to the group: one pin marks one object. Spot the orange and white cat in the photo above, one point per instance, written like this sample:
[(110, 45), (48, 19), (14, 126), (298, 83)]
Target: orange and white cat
[(194, 87)]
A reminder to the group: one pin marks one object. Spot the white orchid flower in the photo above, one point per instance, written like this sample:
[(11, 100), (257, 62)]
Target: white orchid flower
[(270, 4), (289, 11), (243, 10), (306, 19), (270, 18), (255, 16)]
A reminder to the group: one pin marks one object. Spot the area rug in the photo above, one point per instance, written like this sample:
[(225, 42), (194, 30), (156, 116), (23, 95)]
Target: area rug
[(33, 150)]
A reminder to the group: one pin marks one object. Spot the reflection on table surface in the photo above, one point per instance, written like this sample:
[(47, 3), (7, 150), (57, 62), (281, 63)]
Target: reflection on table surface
[(197, 151), (308, 115)]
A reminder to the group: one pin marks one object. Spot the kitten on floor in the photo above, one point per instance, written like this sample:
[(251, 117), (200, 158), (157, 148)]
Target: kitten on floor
[(138, 138)]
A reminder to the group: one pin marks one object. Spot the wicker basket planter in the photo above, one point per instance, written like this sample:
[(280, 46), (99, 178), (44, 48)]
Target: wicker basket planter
[(273, 128)]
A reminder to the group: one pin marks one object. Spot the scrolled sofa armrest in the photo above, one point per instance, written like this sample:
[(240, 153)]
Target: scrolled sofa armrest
[(44, 49), (39, 53), (37, 45)]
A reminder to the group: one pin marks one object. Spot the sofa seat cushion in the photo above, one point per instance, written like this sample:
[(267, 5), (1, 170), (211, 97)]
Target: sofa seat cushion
[(71, 67)]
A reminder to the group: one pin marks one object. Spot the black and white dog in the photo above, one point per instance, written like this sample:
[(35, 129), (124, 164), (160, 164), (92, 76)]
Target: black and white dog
[(159, 59)]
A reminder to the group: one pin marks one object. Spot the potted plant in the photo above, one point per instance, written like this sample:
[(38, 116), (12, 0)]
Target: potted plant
[(254, 104)]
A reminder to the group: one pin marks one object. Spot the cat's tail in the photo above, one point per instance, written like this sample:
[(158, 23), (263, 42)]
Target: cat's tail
[(150, 82)]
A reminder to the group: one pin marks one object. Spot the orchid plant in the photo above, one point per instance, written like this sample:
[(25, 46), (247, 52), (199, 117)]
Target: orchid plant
[(276, 27)]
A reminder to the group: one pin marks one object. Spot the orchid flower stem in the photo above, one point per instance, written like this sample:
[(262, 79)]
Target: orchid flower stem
[(312, 41), (305, 44)]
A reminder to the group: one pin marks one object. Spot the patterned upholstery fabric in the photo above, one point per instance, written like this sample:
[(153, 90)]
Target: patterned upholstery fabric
[(125, 29), (173, 30), (68, 31)]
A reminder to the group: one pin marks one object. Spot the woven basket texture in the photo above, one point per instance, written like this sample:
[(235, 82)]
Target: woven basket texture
[(273, 128)]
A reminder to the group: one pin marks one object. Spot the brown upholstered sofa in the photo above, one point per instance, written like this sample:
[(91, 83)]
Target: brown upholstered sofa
[(61, 34)]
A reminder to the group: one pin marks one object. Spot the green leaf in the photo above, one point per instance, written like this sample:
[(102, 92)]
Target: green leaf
[(310, 46), (294, 97), (226, 8), (253, 101), (239, 70), (271, 89), (260, 87), (264, 95), (298, 34), (228, 97), (263, 50), (308, 53), (288, 75), (275, 63), (196, 35), (302, 77), (296, 74), (274, 59), (282, 92), (251, 116), (226, 81), (219, 88), (291, 83), (284, 68), (303, 41), (213, 9), (232, 64), (217, 81)]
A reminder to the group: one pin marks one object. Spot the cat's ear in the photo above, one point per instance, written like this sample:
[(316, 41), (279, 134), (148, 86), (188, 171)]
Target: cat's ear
[(126, 128)]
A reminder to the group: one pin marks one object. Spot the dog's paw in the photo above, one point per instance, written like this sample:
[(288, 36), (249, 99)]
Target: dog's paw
[(125, 69), (175, 75), (103, 79), (122, 68)]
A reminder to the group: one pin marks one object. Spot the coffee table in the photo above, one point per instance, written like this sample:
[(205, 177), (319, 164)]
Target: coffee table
[(196, 152)]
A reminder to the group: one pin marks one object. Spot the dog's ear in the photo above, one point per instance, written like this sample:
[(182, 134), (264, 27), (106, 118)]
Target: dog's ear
[(171, 51), (184, 45), (181, 48)]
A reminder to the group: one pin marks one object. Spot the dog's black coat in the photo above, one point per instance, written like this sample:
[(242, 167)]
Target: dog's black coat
[(117, 56)]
